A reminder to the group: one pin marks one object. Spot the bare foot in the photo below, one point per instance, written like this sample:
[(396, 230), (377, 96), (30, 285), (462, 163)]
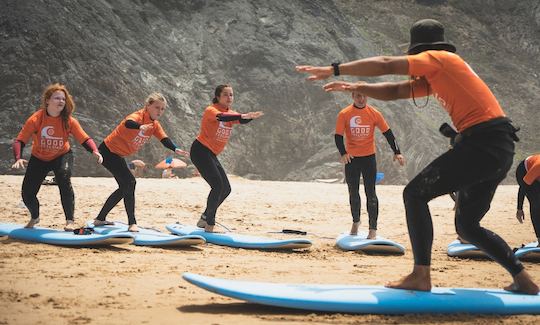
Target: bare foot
[(133, 228), (372, 234), (70, 225), (419, 279), (210, 228), (102, 223), (32, 223), (354, 228), (523, 284)]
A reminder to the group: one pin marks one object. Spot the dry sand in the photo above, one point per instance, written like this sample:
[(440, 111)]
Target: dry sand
[(44, 284)]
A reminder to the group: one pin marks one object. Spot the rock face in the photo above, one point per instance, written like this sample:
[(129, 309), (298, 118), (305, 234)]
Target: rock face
[(112, 54)]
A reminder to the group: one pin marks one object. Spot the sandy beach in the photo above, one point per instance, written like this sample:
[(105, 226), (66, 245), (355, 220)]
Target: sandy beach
[(45, 284)]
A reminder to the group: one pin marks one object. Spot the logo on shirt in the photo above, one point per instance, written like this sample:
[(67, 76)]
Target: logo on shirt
[(140, 139), (359, 130), (224, 131), (48, 141)]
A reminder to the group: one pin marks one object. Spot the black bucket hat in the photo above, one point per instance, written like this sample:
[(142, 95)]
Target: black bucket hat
[(428, 34)]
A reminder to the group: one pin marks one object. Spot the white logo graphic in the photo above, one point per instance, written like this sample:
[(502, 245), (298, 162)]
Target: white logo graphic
[(358, 130), (47, 133), (48, 141), (140, 139), (355, 121), (224, 131)]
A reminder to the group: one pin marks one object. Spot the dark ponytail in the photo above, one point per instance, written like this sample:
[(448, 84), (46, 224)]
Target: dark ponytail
[(218, 91)]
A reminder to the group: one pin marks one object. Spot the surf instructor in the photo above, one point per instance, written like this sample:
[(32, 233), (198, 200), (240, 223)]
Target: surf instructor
[(469, 167), (358, 122)]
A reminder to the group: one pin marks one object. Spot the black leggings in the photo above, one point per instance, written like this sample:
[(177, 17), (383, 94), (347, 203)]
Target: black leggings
[(367, 167), (36, 172), (214, 174), (126, 185), (533, 195), (474, 167)]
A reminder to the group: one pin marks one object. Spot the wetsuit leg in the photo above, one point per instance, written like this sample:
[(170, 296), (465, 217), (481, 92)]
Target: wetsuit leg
[(473, 204), (36, 171), (207, 164), (62, 172), (226, 189), (532, 192), (352, 176), (483, 159), (126, 185), (369, 174), (533, 195)]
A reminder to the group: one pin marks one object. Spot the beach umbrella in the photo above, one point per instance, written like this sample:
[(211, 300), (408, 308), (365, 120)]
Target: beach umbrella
[(171, 163)]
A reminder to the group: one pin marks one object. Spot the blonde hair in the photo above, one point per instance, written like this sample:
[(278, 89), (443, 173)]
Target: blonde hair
[(153, 97), (69, 108)]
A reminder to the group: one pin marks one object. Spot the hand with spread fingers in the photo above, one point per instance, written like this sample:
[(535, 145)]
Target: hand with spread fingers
[(316, 73), (20, 163)]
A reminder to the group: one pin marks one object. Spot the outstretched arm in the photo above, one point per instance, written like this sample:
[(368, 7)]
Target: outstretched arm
[(381, 90), (369, 67)]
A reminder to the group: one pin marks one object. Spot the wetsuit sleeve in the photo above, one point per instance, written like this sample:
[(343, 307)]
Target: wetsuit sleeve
[(90, 145), (18, 147), (228, 117), (389, 135), (130, 124), (167, 143), (520, 198), (340, 144)]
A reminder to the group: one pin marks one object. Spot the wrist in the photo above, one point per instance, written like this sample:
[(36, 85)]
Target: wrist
[(335, 66)]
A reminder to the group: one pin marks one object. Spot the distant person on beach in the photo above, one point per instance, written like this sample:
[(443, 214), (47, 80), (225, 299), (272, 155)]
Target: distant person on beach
[(357, 123), (216, 128), (50, 127), (126, 139), (478, 162), (168, 173), (136, 167), (528, 178)]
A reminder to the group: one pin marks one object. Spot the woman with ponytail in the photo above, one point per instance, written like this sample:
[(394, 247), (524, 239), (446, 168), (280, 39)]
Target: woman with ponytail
[(216, 127)]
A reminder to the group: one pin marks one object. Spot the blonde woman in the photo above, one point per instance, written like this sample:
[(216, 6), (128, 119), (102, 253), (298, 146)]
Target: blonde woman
[(128, 137)]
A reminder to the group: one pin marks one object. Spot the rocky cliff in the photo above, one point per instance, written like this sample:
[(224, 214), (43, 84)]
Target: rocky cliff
[(112, 53)]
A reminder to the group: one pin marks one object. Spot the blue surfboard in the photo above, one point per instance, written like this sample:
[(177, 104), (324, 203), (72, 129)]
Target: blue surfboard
[(530, 250), (361, 243), (458, 249), (150, 237), (371, 299), (62, 238), (240, 241)]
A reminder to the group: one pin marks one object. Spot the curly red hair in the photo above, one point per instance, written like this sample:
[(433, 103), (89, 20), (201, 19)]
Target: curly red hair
[(70, 104)]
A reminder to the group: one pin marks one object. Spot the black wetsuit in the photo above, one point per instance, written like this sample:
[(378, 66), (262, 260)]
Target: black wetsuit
[(37, 170), (367, 168), (118, 166), (213, 173), (533, 195), (479, 161)]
